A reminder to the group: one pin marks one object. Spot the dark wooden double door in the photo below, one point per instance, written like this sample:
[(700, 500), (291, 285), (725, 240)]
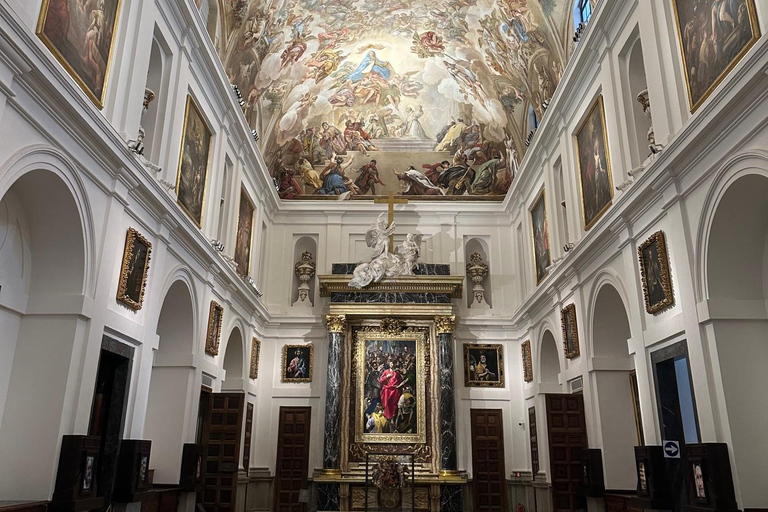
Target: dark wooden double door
[(292, 458), (488, 478), (567, 434)]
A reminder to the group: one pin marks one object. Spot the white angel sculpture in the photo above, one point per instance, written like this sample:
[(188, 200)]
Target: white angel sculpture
[(383, 263)]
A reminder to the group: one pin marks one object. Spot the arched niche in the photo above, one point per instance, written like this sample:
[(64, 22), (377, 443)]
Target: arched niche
[(549, 359), (612, 383), (635, 82), (43, 273), (171, 383), (234, 377), (302, 244), (737, 284), (157, 81), (480, 246), (210, 12)]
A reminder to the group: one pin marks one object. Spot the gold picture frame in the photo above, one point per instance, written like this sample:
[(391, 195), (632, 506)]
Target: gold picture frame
[(525, 352), (192, 172), (570, 331), (134, 270), (56, 39), (213, 333), (655, 273), (541, 247), (299, 367), (369, 342), (739, 46), (480, 371), (253, 372), (591, 213), (244, 234)]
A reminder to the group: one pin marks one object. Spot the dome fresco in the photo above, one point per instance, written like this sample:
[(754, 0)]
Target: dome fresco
[(441, 95)]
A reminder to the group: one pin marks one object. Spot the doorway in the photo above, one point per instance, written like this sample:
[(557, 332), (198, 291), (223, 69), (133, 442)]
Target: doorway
[(292, 458), (489, 480), (108, 410), (677, 408), (567, 432)]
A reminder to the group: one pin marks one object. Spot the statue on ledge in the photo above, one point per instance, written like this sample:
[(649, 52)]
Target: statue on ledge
[(383, 263)]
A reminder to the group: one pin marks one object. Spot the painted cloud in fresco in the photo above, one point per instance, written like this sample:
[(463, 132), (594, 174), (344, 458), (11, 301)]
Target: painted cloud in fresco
[(382, 71)]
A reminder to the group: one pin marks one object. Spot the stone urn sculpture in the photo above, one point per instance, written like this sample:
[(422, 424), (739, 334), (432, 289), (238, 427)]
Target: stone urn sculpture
[(305, 270), (477, 270)]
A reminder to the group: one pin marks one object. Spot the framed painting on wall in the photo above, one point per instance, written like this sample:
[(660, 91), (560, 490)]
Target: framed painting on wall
[(595, 178), (570, 331), (255, 354), (525, 350), (193, 163), (542, 257), (297, 363), (713, 36), (213, 334), (654, 270), (483, 365), (134, 270), (244, 233), (81, 35)]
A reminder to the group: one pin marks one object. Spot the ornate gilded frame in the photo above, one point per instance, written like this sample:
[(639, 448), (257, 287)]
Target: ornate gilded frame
[(191, 104), (245, 197), (754, 25), (122, 288), (598, 104), (542, 197), (659, 239), (98, 101), (284, 362), (213, 333), (525, 350), (255, 355), (499, 349), (570, 327), (384, 333)]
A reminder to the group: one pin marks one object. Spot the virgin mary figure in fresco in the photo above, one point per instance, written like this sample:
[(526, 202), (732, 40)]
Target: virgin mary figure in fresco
[(380, 67)]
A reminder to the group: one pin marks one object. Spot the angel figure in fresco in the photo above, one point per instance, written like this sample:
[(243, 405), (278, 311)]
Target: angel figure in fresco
[(418, 183), (467, 80), (325, 62)]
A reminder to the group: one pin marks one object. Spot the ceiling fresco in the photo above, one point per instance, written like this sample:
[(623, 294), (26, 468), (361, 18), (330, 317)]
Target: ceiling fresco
[(438, 94)]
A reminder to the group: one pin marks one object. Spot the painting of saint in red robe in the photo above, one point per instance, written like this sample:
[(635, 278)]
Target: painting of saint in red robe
[(390, 384), (80, 34)]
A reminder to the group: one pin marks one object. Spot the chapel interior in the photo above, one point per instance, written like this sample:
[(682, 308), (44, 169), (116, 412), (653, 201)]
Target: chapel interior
[(383, 255)]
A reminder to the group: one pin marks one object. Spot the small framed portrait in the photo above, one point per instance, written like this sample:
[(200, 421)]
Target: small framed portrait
[(483, 366), (134, 270), (654, 270), (570, 331), (527, 361), (540, 231), (89, 466), (713, 36), (297, 363), (193, 163), (255, 354), (595, 178), (244, 234), (81, 35), (213, 336), (699, 489)]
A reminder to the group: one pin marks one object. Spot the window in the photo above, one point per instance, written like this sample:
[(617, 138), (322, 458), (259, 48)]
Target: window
[(533, 120), (582, 11)]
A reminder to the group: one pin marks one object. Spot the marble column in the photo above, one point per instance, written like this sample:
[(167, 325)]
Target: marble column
[(337, 327), (444, 326)]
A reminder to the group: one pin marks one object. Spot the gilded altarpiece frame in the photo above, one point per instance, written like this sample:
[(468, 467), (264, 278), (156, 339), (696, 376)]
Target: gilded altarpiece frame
[(423, 443)]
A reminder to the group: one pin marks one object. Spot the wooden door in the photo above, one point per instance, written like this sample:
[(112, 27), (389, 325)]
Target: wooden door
[(222, 438), (489, 481), (292, 458), (567, 436)]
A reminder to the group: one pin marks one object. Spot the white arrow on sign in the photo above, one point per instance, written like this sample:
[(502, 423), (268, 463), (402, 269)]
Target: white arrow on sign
[(671, 449)]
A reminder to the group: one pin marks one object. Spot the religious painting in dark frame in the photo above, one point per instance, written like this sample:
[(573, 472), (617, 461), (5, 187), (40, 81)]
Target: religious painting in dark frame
[(713, 36), (594, 159), (655, 273), (525, 350), (253, 372), (570, 331), (244, 236), (134, 270), (193, 163), (81, 35), (213, 333), (297, 363), (542, 257), (483, 365)]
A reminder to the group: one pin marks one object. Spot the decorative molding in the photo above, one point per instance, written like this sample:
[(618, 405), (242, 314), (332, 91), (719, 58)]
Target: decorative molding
[(336, 323), (452, 285)]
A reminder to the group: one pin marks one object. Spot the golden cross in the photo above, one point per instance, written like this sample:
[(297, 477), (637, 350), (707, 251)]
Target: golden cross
[(391, 202)]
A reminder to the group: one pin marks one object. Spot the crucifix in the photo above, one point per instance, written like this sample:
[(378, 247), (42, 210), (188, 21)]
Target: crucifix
[(391, 202)]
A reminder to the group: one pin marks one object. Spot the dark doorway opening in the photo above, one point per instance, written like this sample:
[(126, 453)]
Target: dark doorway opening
[(488, 479), (292, 458), (567, 432)]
